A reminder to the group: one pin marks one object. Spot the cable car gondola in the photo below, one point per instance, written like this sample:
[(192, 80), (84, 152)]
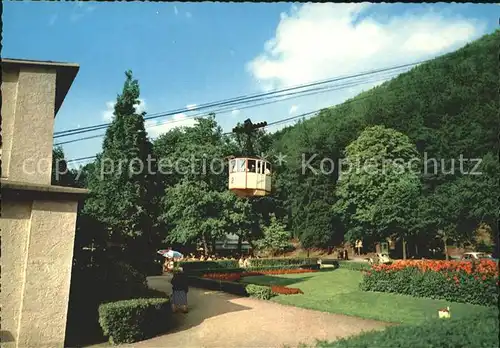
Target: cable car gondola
[(249, 176)]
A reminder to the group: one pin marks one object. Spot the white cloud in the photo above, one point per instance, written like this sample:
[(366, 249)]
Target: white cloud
[(191, 106), (189, 15), (157, 127), (319, 41), (107, 115), (235, 112), (293, 109), (176, 11)]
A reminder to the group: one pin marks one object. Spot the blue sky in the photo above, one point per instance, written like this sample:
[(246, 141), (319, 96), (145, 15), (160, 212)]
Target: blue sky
[(194, 53)]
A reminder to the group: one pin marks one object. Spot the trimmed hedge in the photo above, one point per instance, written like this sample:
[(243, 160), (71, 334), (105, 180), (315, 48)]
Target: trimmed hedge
[(475, 283), (273, 262), (436, 285), (354, 265), (259, 291), (477, 331), (201, 272), (134, 320)]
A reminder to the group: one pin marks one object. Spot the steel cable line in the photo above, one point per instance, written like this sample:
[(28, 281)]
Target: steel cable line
[(232, 101), (314, 91), (285, 120), (226, 133)]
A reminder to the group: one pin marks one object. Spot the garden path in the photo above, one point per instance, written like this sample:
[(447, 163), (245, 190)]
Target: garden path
[(219, 320)]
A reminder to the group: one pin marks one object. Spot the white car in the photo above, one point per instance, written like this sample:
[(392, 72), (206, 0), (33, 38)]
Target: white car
[(475, 256), (380, 259)]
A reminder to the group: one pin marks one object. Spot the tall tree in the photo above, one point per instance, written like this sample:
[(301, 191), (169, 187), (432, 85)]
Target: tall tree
[(380, 170), (193, 212), (276, 239), (122, 185)]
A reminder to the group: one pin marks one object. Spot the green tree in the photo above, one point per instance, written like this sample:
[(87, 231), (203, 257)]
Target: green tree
[(394, 211), (380, 171), (240, 218), (122, 187), (276, 239), (62, 175), (193, 212)]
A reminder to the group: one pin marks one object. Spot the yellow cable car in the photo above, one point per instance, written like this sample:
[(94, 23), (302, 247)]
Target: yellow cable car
[(249, 176)]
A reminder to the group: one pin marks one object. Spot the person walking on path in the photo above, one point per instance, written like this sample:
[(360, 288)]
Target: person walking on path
[(180, 288)]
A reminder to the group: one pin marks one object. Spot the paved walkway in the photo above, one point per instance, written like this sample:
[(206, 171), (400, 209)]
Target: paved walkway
[(217, 320)]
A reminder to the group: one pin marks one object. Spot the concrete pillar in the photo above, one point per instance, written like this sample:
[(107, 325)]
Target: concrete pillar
[(38, 220)]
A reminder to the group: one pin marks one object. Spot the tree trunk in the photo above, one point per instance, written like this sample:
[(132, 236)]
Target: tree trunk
[(416, 249), (213, 244), (240, 244), (445, 241), (205, 245), (404, 248)]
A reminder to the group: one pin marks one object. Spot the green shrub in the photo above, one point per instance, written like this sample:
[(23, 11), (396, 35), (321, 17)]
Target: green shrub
[(330, 262), (354, 265), (282, 262), (200, 272), (476, 331), (134, 320), (91, 286), (436, 285), (259, 291)]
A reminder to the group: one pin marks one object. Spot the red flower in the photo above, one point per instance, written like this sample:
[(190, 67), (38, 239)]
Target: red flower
[(283, 290), (232, 277)]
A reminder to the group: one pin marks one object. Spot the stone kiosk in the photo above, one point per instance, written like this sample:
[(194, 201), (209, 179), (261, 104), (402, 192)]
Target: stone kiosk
[(37, 219)]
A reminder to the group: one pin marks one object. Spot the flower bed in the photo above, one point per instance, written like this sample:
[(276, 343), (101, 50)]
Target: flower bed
[(459, 281), (283, 290), (233, 277)]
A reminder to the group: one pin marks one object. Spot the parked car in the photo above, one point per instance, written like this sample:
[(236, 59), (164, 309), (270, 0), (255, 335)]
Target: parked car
[(474, 255), (380, 259)]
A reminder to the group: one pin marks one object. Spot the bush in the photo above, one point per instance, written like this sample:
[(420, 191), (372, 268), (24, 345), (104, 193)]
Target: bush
[(93, 285), (330, 262), (259, 291), (134, 320), (354, 266), (188, 266), (449, 280), (201, 272), (476, 331), (282, 262)]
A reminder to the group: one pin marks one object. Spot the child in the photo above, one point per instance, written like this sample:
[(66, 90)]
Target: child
[(180, 289)]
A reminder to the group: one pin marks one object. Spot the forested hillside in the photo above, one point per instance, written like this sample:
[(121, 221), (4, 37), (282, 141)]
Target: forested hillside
[(447, 107)]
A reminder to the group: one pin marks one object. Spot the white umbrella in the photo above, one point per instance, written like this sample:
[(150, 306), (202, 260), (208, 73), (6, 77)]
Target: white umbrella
[(173, 254)]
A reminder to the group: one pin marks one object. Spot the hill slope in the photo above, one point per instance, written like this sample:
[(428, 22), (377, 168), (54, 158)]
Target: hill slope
[(448, 107)]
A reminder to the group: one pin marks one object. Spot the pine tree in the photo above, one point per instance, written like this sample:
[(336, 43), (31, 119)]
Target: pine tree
[(123, 184)]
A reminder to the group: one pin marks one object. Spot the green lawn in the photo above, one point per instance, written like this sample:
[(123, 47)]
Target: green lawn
[(337, 292)]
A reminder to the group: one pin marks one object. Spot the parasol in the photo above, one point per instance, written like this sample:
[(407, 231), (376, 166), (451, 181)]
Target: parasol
[(171, 253)]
